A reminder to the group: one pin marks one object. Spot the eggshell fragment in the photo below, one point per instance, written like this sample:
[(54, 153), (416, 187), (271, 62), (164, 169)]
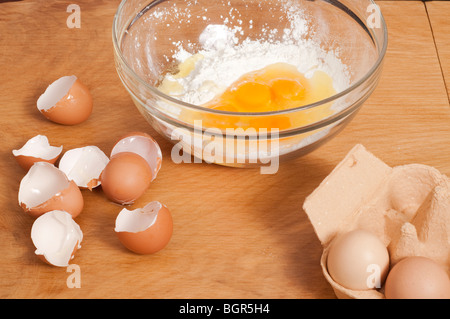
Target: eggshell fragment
[(145, 230), (37, 149), (56, 237), (84, 165), (143, 145), (45, 188), (125, 178), (66, 101)]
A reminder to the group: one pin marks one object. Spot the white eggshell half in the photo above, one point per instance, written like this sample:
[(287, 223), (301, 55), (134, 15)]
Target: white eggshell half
[(84, 165), (56, 237), (137, 220), (55, 92), (41, 183), (39, 147)]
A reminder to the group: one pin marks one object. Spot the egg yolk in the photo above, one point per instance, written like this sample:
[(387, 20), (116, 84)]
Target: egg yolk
[(279, 86)]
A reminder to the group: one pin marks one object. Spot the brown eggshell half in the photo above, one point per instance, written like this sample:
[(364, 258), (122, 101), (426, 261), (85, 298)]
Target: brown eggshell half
[(152, 239), (37, 149), (144, 145), (27, 161), (125, 178), (46, 188), (74, 108), (69, 200)]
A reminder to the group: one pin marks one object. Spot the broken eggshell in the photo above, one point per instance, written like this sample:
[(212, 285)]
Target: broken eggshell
[(84, 165), (56, 237), (37, 149), (125, 178), (144, 145), (66, 101), (145, 230), (45, 188)]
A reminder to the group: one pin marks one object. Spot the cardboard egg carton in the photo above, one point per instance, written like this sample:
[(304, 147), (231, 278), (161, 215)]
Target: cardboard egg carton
[(407, 207)]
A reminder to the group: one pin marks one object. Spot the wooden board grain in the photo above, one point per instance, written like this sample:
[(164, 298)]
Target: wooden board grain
[(407, 116), (439, 13), (237, 233)]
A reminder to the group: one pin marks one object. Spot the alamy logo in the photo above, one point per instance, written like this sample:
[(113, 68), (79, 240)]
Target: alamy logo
[(74, 19), (374, 19), (374, 279), (74, 279), (236, 146)]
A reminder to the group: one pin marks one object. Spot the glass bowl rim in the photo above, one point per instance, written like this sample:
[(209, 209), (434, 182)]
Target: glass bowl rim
[(336, 96)]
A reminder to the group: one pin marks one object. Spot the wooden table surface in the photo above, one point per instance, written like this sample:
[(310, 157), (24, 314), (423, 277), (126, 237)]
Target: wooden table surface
[(237, 233)]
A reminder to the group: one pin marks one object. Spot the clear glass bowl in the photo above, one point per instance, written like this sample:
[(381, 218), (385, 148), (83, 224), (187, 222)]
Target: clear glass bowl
[(146, 34)]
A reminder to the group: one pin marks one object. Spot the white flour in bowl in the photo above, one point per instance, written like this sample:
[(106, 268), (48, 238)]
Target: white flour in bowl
[(221, 61)]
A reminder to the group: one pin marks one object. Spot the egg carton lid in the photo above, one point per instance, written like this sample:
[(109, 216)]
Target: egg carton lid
[(339, 196)]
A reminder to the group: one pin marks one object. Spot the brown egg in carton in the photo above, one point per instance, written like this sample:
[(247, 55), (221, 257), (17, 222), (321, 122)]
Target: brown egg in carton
[(407, 207)]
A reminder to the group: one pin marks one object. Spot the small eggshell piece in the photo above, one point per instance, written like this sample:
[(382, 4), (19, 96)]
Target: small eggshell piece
[(145, 230), (66, 101), (84, 165), (125, 178), (143, 145), (417, 277), (45, 188), (56, 237), (355, 257), (37, 149)]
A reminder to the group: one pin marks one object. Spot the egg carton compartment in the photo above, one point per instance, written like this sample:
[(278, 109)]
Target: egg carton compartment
[(406, 206)]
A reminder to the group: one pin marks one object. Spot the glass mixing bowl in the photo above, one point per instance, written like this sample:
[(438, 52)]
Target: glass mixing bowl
[(148, 34)]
